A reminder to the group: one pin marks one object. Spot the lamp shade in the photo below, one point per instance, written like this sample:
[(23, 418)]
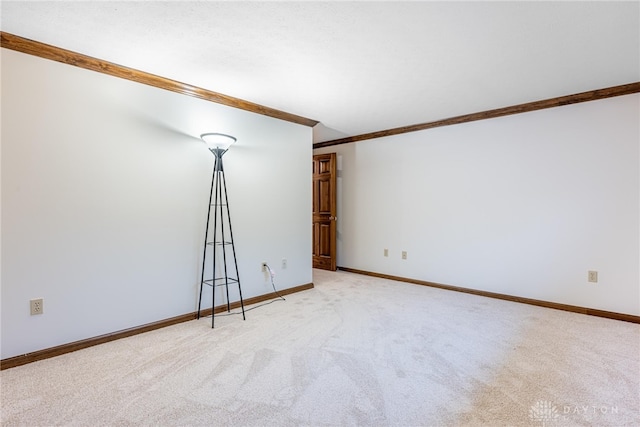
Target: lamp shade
[(218, 140)]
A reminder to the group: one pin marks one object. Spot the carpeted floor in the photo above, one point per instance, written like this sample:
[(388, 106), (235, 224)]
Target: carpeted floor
[(355, 350)]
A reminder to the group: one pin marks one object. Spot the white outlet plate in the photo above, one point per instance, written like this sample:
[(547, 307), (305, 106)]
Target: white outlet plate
[(386, 252), (404, 254), (284, 263), (37, 306), (592, 276)]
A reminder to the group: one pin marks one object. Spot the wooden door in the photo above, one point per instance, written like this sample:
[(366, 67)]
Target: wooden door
[(324, 211)]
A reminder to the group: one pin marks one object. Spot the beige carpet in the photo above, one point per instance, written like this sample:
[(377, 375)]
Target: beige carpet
[(353, 351)]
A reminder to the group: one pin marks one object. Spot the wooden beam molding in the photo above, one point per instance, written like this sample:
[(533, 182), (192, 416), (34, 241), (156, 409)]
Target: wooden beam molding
[(42, 50), (592, 95)]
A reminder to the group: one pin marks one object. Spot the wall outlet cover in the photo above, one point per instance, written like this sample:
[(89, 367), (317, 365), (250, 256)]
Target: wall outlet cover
[(36, 306)]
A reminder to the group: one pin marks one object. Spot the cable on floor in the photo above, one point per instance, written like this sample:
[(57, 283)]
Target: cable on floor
[(275, 291)]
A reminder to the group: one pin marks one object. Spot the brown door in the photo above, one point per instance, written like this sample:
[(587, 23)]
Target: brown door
[(324, 211)]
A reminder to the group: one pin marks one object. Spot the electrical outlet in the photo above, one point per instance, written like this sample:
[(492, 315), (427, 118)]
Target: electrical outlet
[(284, 263), (386, 252), (264, 265), (593, 276), (36, 306), (404, 254)]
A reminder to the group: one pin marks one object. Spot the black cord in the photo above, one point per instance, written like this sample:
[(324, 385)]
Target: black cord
[(271, 274), (280, 297)]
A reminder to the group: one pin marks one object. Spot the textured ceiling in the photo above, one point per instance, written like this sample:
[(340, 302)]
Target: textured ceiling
[(356, 67)]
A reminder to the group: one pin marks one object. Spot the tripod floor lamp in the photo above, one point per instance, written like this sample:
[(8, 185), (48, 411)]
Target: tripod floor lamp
[(218, 241)]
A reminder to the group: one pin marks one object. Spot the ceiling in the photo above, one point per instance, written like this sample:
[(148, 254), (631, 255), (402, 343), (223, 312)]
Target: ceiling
[(356, 67)]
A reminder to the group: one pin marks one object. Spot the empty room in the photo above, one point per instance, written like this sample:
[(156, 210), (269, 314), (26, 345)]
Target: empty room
[(235, 213)]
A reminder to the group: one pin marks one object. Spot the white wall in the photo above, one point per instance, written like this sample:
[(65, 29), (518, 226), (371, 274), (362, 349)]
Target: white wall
[(105, 186), (522, 205)]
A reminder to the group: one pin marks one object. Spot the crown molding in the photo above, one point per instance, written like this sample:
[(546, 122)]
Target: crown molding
[(592, 95), (42, 50)]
